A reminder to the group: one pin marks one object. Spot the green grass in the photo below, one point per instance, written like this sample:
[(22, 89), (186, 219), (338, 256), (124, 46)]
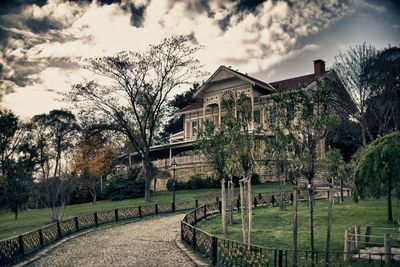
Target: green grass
[(273, 228), (32, 219)]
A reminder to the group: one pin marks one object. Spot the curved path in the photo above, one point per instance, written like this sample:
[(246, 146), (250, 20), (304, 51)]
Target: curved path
[(143, 243)]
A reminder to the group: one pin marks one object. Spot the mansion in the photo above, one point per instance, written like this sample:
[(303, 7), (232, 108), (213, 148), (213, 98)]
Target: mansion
[(208, 107)]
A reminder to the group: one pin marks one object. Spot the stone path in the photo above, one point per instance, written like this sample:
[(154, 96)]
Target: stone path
[(143, 243)]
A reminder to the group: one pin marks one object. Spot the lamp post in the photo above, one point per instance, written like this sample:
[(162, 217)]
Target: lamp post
[(174, 181)]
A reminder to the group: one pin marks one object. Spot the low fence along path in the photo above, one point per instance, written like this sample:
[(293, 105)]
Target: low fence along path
[(142, 243)]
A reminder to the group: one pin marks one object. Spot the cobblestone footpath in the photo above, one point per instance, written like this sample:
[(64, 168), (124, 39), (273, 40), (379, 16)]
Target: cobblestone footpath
[(143, 243)]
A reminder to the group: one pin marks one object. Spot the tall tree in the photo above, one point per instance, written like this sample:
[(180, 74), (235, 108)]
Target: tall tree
[(212, 143), (93, 160), (18, 160), (376, 170), (133, 100), (53, 134), (8, 137), (383, 72), (305, 132), (350, 67)]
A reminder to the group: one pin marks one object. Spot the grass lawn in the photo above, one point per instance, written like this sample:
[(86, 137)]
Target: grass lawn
[(32, 219), (273, 228)]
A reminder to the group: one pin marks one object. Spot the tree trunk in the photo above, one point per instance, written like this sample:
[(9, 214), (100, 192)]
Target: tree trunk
[(16, 214), (250, 207), (282, 205), (242, 210), (147, 168), (232, 203), (311, 205), (328, 227), (389, 198), (294, 245), (223, 207)]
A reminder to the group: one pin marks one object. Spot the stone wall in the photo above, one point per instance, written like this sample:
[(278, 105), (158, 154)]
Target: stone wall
[(191, 165)]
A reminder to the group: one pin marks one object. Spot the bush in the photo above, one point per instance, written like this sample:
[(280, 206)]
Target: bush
[(195, 182), (255, 179), (123, 187)]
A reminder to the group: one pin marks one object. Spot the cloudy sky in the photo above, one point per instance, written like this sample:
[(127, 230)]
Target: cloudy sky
[(43, 44)]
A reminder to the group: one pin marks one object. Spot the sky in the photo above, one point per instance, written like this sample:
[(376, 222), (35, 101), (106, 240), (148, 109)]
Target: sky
[(44, 44)]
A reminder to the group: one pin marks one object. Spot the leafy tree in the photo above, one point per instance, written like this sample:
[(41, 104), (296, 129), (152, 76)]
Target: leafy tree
[(350, 66), (19, 172), (92, 161), (53, 134), (133, 100), (383, 72), (334, 166), (304, 133), (18, 159), (376, 169), (8, 137), (212, 142), (179, 101), (60, 128)]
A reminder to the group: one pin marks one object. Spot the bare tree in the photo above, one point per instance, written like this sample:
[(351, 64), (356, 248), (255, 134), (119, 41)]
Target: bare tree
[(132, 100), (350, 67), (53, 193)]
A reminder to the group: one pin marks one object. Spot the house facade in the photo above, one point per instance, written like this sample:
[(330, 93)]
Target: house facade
[(224, 83)]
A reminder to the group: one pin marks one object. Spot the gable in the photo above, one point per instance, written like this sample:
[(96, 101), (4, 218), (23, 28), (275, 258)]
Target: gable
[(227, 75)]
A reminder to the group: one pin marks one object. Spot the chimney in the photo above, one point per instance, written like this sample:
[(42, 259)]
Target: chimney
[(319, 67)]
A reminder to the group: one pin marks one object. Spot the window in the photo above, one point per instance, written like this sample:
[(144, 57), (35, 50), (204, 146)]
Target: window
[(272, 116), (194, 128), (308, 110), (256, 116), (290, 111)]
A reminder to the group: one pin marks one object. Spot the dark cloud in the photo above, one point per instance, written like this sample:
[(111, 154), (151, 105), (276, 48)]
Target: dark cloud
[(14, 6), (137, 15), (20, 30)]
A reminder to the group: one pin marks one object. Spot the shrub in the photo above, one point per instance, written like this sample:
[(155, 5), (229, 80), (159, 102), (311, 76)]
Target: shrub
[(123, 187), (195, 182), (255, 178)]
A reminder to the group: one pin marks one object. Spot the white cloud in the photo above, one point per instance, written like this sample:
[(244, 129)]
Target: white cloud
[(252, 41)]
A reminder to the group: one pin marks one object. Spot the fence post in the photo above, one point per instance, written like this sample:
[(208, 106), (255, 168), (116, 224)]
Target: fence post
[(96, 220), (220, 207), (255, 202), (346, 245), (238, 203), (173, 208), (140, 211), (21, 245), (368, 230), (205, 211), (156, 208), (273, 200), (388, 249), (214, 251), (357, 233), (291, 197), (196, 203), (194, 238), (280, 261), (195, 217), (182, 230), (41, 237), (76, 224), (116, 215), (59, 230)]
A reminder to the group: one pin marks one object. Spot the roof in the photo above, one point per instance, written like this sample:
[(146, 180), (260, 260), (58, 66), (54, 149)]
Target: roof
[(193, 106), (293, 83), (254, 81)]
